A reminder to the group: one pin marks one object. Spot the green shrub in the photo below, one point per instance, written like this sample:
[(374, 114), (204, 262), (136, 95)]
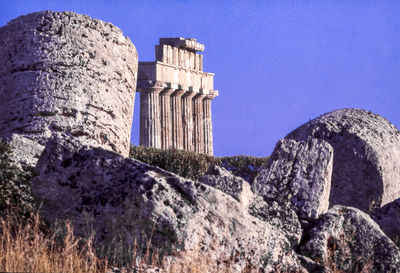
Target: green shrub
[(186, 164), (193, 165), (246, 167)]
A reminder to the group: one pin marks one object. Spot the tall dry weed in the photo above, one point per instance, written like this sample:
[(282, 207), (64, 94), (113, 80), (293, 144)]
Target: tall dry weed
[(26, 248)]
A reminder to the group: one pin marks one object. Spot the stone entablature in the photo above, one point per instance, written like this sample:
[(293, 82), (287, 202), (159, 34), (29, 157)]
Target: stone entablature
[(179, 66), (176, 94)]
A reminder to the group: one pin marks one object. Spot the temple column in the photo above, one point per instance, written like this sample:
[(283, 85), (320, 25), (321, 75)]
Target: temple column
[(208, 135), (198, 123), (150, 133), (166, 121), (187, 121), (176, 111)]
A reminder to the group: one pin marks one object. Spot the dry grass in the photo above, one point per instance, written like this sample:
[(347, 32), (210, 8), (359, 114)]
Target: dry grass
[(26, 248), (29, 248)]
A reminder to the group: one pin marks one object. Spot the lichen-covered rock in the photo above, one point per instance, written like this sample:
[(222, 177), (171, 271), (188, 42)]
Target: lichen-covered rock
[(366, 163), (298, 173), (388, 219), (223, 180), (349, 240), (66, 72), (25, 152), (280, 215), (125, 200)]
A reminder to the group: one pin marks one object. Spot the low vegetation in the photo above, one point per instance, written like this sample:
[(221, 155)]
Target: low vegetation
[(193, 165), (28, 248)]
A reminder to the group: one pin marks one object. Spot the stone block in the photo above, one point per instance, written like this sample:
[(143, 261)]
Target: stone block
[(366, 163), (298, 173)]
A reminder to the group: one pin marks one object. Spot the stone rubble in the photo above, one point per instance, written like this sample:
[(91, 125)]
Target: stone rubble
[(124, 200), (349, 240)]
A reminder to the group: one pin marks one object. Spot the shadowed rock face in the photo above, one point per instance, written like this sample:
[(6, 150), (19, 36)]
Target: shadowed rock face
[(388, 219), (62, 71), (366, 157)]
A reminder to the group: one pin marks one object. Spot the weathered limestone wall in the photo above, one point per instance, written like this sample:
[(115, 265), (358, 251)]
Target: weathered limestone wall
[(62, 71), (186, 122)]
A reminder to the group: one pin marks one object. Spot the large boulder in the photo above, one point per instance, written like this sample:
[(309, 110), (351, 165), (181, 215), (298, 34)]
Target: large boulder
[(348, 240), (366, 163), (388, 218), (66, 72), (125, 201), (298, 173)]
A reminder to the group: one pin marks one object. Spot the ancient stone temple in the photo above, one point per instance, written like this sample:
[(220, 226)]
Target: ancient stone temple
[(175, 98)]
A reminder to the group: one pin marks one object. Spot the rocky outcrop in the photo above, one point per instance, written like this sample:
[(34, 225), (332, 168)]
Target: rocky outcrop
[(298, 173), (66, 72), (348, 240), (278, 214), (125, 200), (223, 180), (388, 219), (366, 163), (282, 216)]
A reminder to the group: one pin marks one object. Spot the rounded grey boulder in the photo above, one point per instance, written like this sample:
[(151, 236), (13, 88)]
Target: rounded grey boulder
[(366, 156), (66, 72)]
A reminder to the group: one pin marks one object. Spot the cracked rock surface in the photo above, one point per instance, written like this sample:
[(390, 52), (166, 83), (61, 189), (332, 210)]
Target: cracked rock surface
[(223, 180), (66, 72), (366, 161), (298, 174), (125, 200), (279, 215)]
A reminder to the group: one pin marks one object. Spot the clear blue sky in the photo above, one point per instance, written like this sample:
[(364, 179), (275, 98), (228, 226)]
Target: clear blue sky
[(277, 63)]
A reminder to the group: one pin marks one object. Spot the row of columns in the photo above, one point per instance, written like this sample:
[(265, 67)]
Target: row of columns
[(171, 118)]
